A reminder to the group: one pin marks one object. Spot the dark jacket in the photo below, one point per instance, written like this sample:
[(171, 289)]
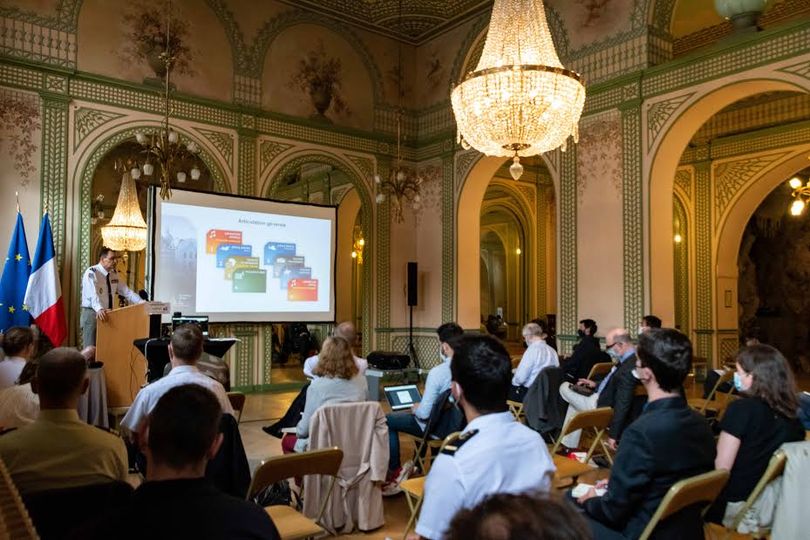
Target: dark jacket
[(667, 443), (543, 405), (619, 394), (586, 353)]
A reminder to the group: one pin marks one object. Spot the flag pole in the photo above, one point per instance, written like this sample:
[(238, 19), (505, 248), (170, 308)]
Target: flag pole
[(17, 196)]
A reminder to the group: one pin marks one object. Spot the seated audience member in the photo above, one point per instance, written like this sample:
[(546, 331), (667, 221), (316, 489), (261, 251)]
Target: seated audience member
[(19, 347), (346, 331), (667, 443), (756, 425), (58, 450), (505, 516), (647, 322), (185, 349), (587, 352), (176, 501), (495, 454), (714, 374), (537, 357), (414, 422), (19, 405), (615, 390), (337, 380)]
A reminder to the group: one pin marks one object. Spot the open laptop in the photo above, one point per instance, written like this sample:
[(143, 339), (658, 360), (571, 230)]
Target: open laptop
[(402, 397), (201, 320)]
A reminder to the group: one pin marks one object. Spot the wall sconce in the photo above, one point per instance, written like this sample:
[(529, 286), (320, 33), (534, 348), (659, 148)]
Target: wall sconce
[(518, 252), (358, 244), (678, 238)]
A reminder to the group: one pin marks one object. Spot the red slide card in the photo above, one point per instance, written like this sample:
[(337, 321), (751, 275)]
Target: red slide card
[(302, 290), (215, 237)]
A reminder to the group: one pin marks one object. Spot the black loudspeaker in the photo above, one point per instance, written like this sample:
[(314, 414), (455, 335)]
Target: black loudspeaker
[(388, 360), (154, 326), (412, 284)]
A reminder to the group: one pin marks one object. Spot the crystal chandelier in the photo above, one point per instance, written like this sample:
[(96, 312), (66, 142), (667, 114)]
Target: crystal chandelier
[(164, 145), (520, 100), (126, 231), (800, 194)]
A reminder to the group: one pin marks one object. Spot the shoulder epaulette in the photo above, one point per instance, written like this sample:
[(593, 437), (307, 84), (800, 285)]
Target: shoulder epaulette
[(451, 449)]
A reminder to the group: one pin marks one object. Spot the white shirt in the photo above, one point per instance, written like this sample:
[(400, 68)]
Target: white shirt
[(438, 380), (537, 357), (149, 395), (312, 362), (10, 370), (504, 456), (19, 406), (94, 289)]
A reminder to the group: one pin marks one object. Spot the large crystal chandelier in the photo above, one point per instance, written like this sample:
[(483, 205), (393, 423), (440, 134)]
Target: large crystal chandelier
[(164, 145), (126, 231), (520, 100)]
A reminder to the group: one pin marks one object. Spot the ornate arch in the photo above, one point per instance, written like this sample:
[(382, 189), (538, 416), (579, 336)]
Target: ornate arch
[(681, 249), (294, 162), (271, 30), (659, 14)]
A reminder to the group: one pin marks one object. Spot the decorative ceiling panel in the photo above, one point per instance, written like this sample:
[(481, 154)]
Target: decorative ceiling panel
[(418, 20)]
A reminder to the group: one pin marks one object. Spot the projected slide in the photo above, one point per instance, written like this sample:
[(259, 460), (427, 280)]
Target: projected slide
[(238, 259)]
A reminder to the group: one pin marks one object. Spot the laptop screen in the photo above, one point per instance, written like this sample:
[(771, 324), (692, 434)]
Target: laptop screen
[(201, 320), (402, 397)]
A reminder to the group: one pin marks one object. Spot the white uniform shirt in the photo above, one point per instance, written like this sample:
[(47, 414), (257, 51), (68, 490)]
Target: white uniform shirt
[(537, 357), (19, 406), (149, 395), (10, 370), (312, 362), (503, 457), (94, 289)]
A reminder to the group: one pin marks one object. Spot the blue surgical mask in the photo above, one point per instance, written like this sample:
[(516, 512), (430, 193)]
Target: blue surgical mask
[(738, 384), (444, 358), (614, 353)]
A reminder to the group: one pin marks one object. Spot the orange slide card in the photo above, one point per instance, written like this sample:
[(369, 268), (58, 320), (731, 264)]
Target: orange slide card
[(302, 290), (215, 237)]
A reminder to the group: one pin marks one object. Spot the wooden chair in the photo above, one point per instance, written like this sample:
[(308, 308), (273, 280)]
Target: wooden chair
[(516, 408), (291, 524), (701, 489), (709, 404), (601, 368), (516, 358), (426, 444), (596, 420), (414, 488), (776, 466), (14, 519), (237, 400)]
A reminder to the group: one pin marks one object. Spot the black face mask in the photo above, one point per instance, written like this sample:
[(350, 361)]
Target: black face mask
[(581, 333)]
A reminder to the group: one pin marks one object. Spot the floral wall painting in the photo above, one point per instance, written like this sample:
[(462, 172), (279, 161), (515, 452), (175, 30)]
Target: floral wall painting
[(19, 129), (320, 77), (589, 21)]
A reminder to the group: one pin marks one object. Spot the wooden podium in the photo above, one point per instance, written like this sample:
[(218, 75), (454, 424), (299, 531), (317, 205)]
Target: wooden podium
[(124, 365)]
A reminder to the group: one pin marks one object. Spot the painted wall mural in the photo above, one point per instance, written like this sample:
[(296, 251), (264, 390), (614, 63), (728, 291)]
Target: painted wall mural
[(146, 39), (320, 76), (599, 153), (590, 21), (19, 127)]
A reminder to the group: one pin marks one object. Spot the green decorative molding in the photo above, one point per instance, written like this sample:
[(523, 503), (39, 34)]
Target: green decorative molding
[(53, 172), (448, 218), (222, 141), (660, 13), (681, 258), (683, 181), (703, 260), (247, 164), (427, 348), (541, 211), (729, 344), (87, 120), (382, 285), (365, 164), (244, 355), (802, 69), (659, 112), (268, 151), (633, 220), (465, 160), (567, 323)]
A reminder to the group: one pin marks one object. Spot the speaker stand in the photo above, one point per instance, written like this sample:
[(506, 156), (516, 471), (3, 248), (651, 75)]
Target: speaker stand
[(411, 348)]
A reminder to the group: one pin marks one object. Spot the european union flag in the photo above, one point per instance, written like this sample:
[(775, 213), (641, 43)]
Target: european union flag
[(15, 280)]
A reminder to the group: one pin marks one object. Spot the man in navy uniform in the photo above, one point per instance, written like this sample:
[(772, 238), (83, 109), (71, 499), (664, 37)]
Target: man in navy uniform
[(483, 461), (100, 286)]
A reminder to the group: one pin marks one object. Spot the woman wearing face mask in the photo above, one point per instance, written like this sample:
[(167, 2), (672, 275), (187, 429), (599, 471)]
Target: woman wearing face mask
[(756, 425)]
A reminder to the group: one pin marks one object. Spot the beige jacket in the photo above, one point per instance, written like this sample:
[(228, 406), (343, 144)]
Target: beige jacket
[(788, 522), (360, 430)]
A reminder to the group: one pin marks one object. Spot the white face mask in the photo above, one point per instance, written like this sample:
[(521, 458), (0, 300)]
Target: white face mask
[(641, 329)]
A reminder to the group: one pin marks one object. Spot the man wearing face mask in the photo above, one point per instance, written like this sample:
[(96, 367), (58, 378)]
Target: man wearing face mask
[(586, 352), (414, 422), (615, 390), (495, 454)]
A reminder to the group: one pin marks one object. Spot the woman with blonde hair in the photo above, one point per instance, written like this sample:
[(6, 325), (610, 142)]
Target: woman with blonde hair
[(338, 381), (756, 425)]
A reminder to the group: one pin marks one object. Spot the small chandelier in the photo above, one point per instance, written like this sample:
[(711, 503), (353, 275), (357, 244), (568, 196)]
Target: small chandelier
[(800, 194), (164, 145), (358, 245), (520, 100), (126, 231)]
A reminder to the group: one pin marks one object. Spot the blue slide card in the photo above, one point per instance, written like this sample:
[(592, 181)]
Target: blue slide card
[(225, 251), (285, 263), (277, 249), (300, 272)]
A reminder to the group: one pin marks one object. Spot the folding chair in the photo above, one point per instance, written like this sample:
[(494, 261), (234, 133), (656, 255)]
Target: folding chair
[(414, 488), (776, 466), (597, 420), (703, 488), (601, 368), (516, 408), (291, 524), (237, 400), (709, 404), (429, 440)]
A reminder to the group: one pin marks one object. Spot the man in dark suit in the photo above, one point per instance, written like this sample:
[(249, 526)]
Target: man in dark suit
[(587, 352), (667, 443), (615, 390)]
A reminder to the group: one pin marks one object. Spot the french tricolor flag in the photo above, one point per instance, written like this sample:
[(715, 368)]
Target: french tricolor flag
[(43, 297)]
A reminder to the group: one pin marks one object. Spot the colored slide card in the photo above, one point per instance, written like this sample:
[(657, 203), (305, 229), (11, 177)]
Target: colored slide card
[(302, 290), (272, 250), (224, 251), (286, 263), (239, 262), (249, 280), (215, 237), (300, 272)]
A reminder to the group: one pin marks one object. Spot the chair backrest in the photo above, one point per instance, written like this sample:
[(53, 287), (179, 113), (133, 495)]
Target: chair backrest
[(724, 377), (326, 462), (597, 419), (15, 521), (601, 368), (515, 359), (776, 466), (445, 417), (701, 489), (237, 400)]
